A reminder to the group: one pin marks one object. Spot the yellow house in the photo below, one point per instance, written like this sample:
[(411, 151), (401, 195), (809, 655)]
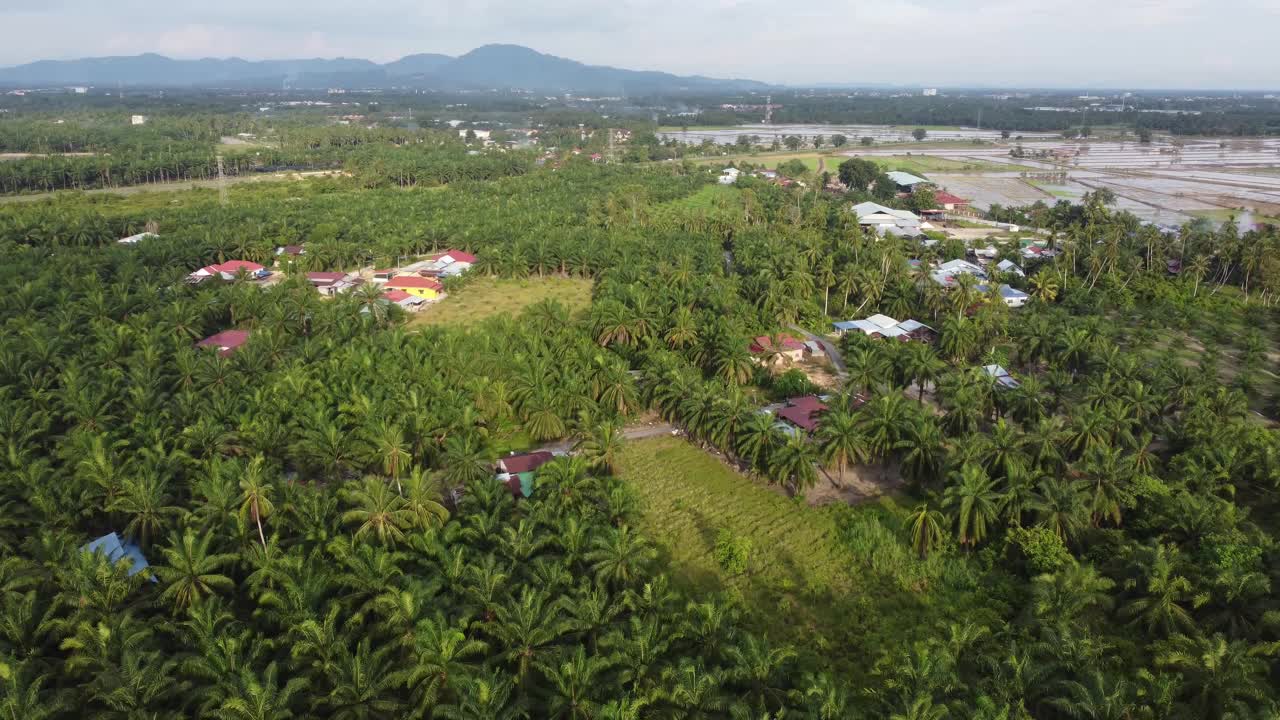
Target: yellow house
[(425, 288)]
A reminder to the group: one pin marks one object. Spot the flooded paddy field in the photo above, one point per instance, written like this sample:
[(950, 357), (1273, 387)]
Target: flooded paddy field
[(1169, 182), (881, 133)]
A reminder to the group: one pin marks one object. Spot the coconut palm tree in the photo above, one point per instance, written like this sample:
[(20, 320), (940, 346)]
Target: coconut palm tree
[(840, 440), (255, 497), (602, 447), (927, 528), (975, 503), (377, 510)]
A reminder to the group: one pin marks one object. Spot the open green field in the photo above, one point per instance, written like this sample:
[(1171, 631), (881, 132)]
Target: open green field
[(690, 495), (816, 576), (930, 163), (813, 160), (1222, 215), (486, 297)]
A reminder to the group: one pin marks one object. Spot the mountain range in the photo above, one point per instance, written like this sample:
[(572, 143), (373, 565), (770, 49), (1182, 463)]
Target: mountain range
[(487, 67)]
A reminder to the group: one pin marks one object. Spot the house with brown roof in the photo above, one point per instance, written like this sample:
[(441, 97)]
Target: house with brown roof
[(332, 283), (803, 413), (786, 347)]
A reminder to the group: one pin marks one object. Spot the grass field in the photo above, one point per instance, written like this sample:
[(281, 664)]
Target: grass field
[(835, 581), (486, 297), (812, 159), (1223, 214), (930, 163)]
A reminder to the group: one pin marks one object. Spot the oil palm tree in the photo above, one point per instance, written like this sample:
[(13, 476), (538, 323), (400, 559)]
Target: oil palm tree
[(190, 572)]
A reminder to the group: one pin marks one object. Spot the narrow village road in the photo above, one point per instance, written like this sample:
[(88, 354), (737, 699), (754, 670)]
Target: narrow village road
[(833, 352)]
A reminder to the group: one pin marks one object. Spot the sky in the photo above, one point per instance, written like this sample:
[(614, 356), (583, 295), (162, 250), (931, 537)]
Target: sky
[(1210, 44)]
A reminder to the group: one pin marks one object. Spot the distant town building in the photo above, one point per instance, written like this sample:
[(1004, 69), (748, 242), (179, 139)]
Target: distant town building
[(138, 120), (81, 90), (930, 92)]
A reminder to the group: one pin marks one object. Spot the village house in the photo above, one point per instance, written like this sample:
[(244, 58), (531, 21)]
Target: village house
[(803, 413), (449, 263), (425, 288), (883, 326), (788, 347), (225, 342), (228, 270), (946, 273), (291, 250), (888, 220), (114, 550), (135, 239), (332, 283), (947, 201), (411, 303), (1008, 266), (1001, 376), (518, 472), (907, 182), (1012, 296), (729, 176)]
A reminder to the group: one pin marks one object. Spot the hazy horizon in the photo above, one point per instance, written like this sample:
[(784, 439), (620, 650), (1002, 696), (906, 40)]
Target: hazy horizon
[(1140, 44)]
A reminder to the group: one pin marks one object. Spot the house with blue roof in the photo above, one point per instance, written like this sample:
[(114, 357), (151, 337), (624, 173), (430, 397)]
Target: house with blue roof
[(115, 550)]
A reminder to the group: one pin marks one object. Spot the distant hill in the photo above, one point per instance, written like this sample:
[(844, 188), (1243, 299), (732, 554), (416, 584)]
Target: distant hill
[(490, 66), (420, 64)]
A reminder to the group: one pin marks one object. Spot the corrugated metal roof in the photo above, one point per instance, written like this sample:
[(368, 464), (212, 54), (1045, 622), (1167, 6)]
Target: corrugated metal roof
[(905, 178)]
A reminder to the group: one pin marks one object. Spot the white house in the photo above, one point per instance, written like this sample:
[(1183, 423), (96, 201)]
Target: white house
[(138, 120), (1008, 266), (135, 239), (1001, 376), (1013, 297), (885, 219), (946, 273), (884, 326), (729, 176)]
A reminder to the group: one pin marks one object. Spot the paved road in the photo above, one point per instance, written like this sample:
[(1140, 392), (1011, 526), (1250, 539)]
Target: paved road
[(630, 432), (833, 352)]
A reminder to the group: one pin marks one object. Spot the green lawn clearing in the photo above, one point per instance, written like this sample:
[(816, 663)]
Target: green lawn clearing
[(837, 581), (932, 164), (812, 160), (487, 297), (1221, 215)]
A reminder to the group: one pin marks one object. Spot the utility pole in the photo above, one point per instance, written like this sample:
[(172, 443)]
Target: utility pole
[(222, 184)]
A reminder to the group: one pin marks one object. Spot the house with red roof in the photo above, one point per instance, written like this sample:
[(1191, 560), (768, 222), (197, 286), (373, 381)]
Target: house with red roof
[(787, 347), (947, 201), (228, 270), (412, 303), (425, 288), (225, 342), (519, 471), (444, 264), (803, 412)]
